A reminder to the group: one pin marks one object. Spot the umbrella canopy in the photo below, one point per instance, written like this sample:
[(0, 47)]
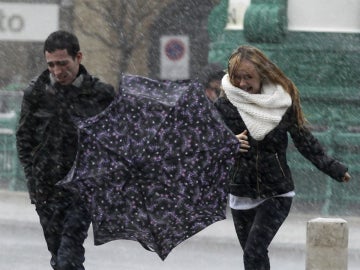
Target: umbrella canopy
[(153, 167)]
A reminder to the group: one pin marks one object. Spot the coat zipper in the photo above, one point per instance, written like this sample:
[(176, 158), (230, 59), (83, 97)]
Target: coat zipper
[(278, 160), (257, 169), (35, 149), (235, 172)]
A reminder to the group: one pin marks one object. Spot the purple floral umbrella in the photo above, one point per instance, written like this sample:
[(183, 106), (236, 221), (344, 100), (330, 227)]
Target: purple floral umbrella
[(153, 167)]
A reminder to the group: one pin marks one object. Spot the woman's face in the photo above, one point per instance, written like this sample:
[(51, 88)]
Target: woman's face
[(247, 78)]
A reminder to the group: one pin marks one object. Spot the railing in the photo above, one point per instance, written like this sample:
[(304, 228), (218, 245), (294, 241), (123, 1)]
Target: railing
[(11, 175), (335, 123)]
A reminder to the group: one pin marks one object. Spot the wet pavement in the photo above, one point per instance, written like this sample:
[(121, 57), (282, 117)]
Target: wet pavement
[(216, 247)]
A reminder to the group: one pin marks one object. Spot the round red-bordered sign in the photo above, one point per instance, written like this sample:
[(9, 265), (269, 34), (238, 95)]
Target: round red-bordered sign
[(174, 49)]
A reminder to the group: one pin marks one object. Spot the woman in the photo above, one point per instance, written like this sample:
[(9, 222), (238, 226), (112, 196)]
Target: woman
[(262, 106)]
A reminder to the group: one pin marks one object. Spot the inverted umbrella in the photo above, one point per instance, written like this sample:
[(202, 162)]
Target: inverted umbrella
[(153, 167)]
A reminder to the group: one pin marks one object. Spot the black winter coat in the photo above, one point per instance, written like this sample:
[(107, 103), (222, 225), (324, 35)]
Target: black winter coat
[(47, 135), (263, 171)]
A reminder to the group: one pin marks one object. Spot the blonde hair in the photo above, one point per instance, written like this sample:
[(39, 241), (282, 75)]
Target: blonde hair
[(268, 72)]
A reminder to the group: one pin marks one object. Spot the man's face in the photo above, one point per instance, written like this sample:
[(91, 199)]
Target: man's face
[(213, 90), (62, 66)]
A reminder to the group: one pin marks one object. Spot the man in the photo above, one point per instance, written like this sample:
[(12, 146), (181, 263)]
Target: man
[(211, 79), (47, 144)]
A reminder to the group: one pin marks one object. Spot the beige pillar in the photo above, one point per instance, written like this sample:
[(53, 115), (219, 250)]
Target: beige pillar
[(327, 244)]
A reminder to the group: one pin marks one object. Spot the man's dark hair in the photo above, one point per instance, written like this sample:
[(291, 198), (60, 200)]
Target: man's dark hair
[(212, 72), (60, 40)]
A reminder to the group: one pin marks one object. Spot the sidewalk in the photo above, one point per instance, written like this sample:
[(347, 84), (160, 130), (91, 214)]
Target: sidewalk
[(15, 207)]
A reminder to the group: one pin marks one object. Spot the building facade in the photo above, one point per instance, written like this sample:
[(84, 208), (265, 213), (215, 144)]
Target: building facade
[(116, 36), (318, 47)]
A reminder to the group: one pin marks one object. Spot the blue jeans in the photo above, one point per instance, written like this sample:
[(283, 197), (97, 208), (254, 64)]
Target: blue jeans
[(256, 229), (65, 224)]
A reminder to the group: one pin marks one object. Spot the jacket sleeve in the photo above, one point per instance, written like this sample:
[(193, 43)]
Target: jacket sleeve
[(309, 146), (25, 140)]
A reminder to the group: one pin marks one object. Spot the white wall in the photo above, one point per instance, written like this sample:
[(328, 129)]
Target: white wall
[(308, 15), (324, 15)]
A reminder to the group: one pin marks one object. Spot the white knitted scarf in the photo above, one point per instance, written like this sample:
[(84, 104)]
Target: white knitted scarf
[(261, 113)]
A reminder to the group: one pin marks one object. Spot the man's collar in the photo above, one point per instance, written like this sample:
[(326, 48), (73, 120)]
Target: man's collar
[(77, 82)]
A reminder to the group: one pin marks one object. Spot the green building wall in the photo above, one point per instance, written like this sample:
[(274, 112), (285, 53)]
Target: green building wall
[(326, 69)]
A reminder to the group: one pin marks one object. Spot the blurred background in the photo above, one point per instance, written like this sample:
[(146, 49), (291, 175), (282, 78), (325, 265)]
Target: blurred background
[(316, 43)]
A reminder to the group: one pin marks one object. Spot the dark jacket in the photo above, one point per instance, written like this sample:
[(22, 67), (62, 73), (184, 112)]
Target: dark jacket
[(47, 135), (263, 171)]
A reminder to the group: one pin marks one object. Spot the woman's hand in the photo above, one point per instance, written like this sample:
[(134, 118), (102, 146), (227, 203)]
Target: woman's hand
[(346, 177), (244, 143)]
